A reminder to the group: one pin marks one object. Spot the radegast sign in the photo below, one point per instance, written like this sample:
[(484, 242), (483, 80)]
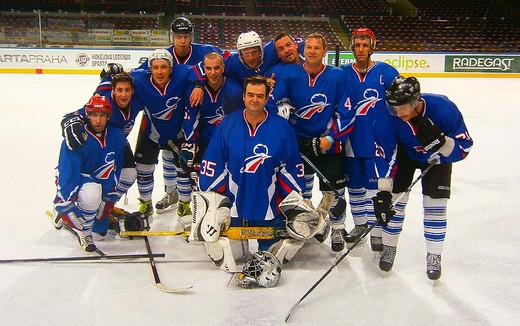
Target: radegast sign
[(482, 63)]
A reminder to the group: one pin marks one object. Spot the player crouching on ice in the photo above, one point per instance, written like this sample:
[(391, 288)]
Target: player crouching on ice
[(252, 162), (86, 177)]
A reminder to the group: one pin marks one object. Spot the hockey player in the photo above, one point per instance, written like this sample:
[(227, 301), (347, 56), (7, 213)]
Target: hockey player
[(314, 91), (163, 92), (251, 163), (368, 81), (86, 177), (430, 130), (125, 108), (223, 96)]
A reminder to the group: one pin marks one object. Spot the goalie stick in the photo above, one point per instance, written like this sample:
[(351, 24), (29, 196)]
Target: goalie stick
[(77, 258), (367, 231), (156, 277), (233, 233)]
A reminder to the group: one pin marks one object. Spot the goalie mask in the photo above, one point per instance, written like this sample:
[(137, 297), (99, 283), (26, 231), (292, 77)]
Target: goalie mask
[(262, 270)]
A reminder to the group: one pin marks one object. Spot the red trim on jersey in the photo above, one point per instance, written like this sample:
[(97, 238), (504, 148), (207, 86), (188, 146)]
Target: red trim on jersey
[(214, 98), (221, 190), (312, 81), (102, 142), (187, 57), (284, 185), (362, 78), (161, 91), (252, 133), (126, 116)]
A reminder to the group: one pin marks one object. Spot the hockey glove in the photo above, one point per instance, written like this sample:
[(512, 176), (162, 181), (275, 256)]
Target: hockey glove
[(429, 135), (136, 221), (285, 109), (73, 129), (188, 152), (383, 207), (110, 70), (71, 214), (310, 146)]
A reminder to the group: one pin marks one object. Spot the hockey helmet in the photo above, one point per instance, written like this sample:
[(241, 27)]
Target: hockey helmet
[(111, 69), (98, 104), (181, 25), (160, 54), (263, 270), (403, 91), (363, 32)]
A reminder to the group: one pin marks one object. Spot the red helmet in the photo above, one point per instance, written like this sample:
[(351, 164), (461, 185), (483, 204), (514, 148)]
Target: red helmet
[(366, 32), (99, 104)]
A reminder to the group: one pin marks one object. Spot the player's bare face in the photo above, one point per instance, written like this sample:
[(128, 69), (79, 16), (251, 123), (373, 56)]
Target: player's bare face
[(287, 50), (314, 51), (252, 57), (181, 43), (123, 93), (362, 50), (161, 72), (406, 111), (98, 121), (255, 99), (214, 69)]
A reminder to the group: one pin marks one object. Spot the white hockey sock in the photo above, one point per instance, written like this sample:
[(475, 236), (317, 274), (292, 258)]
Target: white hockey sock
[(126, 180), (169, 171), (369, 210), (392, 231), (309, 183), (435, 223), (184, 187), (356, 199), (145, 180)]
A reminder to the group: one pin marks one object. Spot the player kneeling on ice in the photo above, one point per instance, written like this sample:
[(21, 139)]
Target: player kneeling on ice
[(252, 176), (86, 177), (430, 130)]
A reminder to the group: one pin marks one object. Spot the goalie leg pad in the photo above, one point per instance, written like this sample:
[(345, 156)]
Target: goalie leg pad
[(210, 215), (286, 249), (303, 222), (225, 253)]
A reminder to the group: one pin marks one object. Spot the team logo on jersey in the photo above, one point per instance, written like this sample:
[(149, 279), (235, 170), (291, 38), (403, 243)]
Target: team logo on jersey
[(104, 171), (171, 106), (371, 96), (318, 104), (252, 163), (216, 119)]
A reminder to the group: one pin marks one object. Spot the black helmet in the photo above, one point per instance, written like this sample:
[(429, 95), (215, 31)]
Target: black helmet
[(111, 69), (181, 25), (403, 91)]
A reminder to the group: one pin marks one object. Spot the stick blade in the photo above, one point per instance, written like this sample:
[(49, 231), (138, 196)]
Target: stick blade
[(166, 289)]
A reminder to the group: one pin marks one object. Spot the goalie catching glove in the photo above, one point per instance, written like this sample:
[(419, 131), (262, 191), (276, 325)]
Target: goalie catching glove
[(210, 216), (302, 221)]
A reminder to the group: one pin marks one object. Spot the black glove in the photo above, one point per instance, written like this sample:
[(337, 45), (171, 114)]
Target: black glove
[(73, 129), (136, 221), (383, 207), (429, 135), (111, 69), (188, 152), (310, 146)]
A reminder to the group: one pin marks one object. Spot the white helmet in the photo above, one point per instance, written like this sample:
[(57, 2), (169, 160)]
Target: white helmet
[(249, 40), (263, 270), (160, 54)]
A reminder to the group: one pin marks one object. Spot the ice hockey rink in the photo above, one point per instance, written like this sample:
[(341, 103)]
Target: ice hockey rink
[(480, 284)]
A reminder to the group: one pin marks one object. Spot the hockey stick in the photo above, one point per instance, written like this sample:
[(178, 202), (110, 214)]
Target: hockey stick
[(341, 205), (367, 231), (78, 258), (158, 283), (234, 233)]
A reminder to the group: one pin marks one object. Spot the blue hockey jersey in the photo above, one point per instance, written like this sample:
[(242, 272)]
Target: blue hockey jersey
[(201, 121), (443, 113), (252, 167), (315, 99), (164, 109), (99, 159)]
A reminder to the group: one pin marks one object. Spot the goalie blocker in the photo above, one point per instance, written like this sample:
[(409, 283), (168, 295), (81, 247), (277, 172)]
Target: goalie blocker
[(211, 216)]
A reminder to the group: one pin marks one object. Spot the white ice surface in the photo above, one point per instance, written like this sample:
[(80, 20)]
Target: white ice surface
[(481, 265)]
